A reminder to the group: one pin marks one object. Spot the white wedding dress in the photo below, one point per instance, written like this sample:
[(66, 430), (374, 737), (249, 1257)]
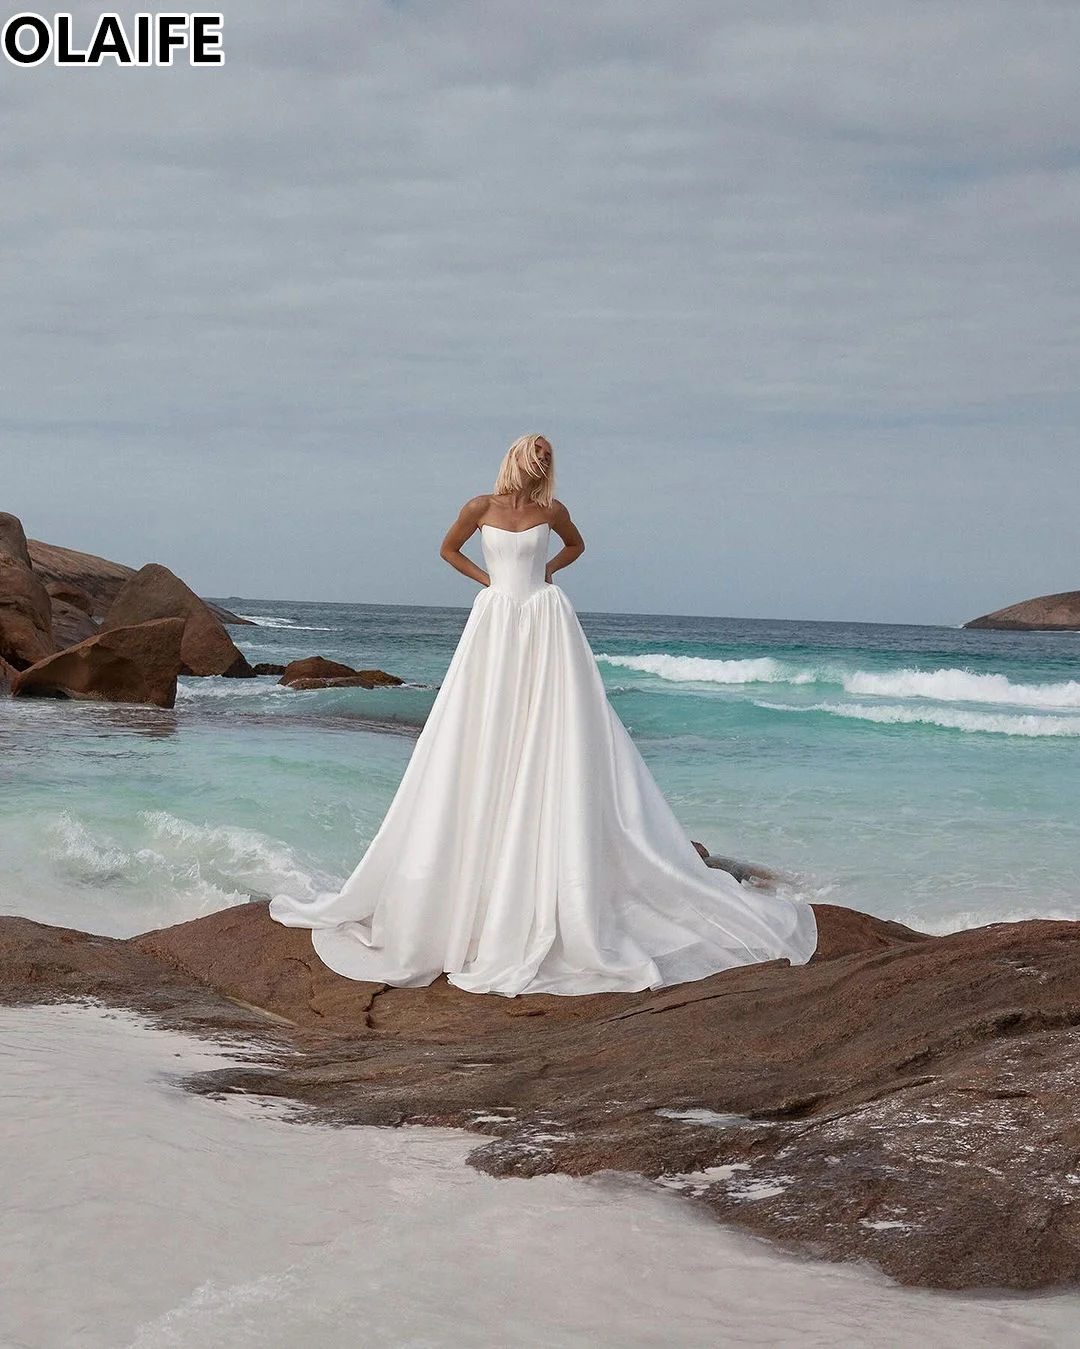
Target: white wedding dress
[(528, 849)]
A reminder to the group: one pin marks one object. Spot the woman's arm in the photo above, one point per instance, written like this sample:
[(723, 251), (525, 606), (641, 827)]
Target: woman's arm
[(463, 528), (574, 544)]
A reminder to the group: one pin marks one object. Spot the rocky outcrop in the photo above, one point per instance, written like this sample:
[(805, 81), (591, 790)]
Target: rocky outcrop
[(902, 1099), (25, 614), (156, 592), (316, 672), (95, 576), (13, 539), (1047, 613), (266, 667), (137, 664)]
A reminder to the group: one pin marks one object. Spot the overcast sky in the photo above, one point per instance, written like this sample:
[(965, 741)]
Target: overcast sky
[(792, 288)]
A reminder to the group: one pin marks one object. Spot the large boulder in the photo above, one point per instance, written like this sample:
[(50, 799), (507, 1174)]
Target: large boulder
[(97, 577), (137, 664), (25, 614), (156, 592), (13, 538), (1047, 613)]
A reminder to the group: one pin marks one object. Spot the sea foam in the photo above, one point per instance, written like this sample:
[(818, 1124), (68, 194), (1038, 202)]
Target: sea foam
[(954, 719), (950, 685), (158, 868), (963, 686), (702, 670), (267, 621)]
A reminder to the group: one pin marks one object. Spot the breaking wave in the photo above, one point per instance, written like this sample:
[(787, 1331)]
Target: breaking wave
[(962, 686), (953, 719), (268, 621), (941, 686), (166, 869), (702, 670)]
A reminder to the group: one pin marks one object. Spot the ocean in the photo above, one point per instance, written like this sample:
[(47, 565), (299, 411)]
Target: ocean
[(923, 774)]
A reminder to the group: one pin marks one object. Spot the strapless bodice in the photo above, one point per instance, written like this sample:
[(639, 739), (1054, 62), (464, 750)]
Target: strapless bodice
[(516, 561)]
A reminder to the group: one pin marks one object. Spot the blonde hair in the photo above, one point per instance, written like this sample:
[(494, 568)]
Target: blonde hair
[(521, 468)]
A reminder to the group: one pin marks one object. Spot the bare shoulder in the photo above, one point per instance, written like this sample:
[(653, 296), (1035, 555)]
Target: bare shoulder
[(559, 520), (475, 507)]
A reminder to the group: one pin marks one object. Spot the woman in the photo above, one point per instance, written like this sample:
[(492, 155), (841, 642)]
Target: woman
[(528, 849)]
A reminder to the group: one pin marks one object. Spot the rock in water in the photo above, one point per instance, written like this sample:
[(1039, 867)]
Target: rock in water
[(26, 634), (1047, 613), (315, 667), (156, 592), (363, 679), (316, 672), (137, 664)]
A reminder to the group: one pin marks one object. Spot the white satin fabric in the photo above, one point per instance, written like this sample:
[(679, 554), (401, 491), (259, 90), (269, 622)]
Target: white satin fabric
[(528, 849)]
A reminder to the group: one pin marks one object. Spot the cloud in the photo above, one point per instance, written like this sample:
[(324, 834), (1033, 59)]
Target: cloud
[(764, 250)]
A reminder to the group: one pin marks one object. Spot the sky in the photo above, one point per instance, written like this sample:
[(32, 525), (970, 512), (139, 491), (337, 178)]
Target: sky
[(791, 286)]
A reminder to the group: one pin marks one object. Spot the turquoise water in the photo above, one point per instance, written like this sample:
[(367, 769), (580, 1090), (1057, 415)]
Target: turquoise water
[(924, 774)]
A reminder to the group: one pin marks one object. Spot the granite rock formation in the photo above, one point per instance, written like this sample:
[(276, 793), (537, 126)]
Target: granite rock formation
[(1047, 613), (26, 633), (13, 538), (95, 576), (138, 664), (156, 592)]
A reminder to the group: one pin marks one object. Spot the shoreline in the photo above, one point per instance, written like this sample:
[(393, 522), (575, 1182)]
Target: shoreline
[(904, 1100)]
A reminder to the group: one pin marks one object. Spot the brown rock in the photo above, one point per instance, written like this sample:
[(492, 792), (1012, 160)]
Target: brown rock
[(13, 538), (316, 672), (361, 680), (1047, 613), (138, 664), (70, 594), (315, 667), (71, 625), (155, 592), (96, 576), (25, 614), (7, 674), (267, 668)]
